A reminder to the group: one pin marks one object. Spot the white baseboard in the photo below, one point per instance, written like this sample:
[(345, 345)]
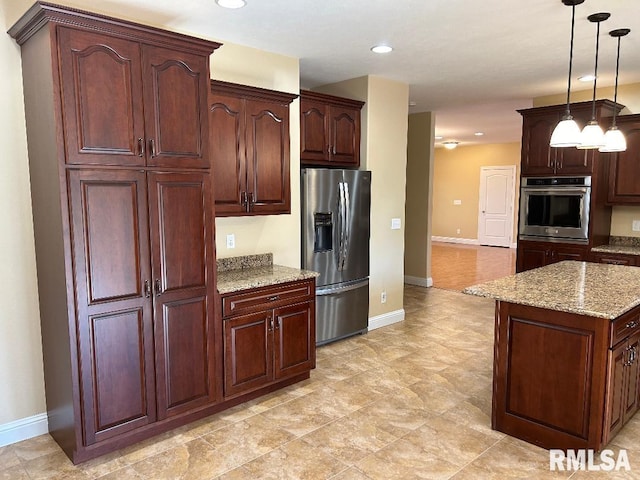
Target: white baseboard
[(23, 429), (420, 282), (386, 319), (466, 241)]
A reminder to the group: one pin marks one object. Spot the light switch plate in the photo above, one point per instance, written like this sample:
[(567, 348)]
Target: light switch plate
[(231, 241), (457, 202), (635, 225), (395, 224)]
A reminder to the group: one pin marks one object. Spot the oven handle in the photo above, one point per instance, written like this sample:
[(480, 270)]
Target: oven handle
[(552, 190)]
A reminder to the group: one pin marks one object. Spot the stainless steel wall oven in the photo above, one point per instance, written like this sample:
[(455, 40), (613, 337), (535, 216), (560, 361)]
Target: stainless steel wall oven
[(555, 209)]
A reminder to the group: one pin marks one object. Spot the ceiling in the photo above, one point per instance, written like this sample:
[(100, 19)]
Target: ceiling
[(472, 62)]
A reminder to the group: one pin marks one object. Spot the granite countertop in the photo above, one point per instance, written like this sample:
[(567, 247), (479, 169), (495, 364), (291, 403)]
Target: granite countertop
[(251, 271), (593, 289), (623, 245), (622, 249)]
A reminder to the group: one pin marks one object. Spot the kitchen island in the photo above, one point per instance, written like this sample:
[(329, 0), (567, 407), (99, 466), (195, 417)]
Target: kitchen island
[(567, 341)]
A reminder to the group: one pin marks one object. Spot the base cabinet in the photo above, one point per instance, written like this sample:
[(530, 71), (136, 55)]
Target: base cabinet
[(615, 259), (274, 341), (533, 254)]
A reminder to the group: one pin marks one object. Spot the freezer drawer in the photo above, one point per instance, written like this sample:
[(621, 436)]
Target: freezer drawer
[(341, 311)]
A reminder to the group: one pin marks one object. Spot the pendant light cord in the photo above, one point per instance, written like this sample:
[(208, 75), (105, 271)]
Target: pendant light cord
[(595, 73), (615, 93), (573, 21)]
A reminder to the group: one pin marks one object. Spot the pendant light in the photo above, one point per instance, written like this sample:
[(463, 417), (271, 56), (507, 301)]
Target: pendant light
[(614, 140), (592, 135), (567, 132)]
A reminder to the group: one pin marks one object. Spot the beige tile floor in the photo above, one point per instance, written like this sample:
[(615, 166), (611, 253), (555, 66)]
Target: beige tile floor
[(411, 400)]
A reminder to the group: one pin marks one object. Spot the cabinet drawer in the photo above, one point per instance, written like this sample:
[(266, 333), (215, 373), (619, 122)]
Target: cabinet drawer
[(624, 326), (267, 297)]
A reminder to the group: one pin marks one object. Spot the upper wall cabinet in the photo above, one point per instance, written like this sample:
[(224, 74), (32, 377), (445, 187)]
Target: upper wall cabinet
[(249, 145), (329, 130), (127, 103), (538, 158), (624, 174)]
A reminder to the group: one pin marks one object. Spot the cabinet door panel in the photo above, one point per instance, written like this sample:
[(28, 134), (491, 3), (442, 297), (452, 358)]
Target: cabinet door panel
[(176, 87), (248, 352), (530, 256), (182, 263), (616, 387), (227, 151), (314, 130), (294, 339), (267, 136), (111, 264), (345, 138), (631, 390), (538, 158), (624, 178), (101, 96)]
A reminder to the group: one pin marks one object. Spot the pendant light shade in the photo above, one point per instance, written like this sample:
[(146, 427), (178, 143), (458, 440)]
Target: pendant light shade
[(567, 132), (614, 140), (592, 135)]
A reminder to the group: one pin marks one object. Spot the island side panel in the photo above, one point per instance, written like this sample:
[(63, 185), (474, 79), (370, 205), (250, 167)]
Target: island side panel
[(549, 376)]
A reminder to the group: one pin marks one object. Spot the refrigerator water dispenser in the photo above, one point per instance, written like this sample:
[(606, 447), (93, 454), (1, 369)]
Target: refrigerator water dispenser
[(323, 232)]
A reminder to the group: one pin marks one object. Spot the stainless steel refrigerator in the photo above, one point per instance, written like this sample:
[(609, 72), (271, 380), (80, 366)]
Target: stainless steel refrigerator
[(336, 207)]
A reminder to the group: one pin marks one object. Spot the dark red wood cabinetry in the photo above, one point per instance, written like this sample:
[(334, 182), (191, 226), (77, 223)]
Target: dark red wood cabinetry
[(533, 254), (538, 158), (249, 138), (329, 130), (117, 128), (269, 335), (624, 174)]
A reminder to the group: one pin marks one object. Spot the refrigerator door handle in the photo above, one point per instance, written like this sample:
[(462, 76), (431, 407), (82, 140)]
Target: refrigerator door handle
[(342, 288), (347, 223), (342, 215)]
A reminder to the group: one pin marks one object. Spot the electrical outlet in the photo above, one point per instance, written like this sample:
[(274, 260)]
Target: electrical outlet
[(383, 297), (635, 225), (231, 240)]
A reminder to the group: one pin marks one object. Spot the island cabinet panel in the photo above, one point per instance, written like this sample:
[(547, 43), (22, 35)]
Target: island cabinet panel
[(249, 144), (623, 392), (126, 103), (624, 175), (269, 335), (329, 130), (553, 400)]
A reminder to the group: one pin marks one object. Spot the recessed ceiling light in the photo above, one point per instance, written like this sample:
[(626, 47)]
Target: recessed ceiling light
[(412, 103), (231, 3), (479, 134), (439, 137), (381, 49), (587, 78)]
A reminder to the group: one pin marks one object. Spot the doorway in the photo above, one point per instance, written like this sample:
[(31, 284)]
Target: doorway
[(496, 205)]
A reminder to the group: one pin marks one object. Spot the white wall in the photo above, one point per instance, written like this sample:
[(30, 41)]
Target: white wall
[(21, 375)]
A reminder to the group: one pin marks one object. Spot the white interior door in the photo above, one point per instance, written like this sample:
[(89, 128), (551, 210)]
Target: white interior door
[(497, 193)]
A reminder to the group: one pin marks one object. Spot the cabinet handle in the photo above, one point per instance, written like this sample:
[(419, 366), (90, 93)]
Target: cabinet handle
[(158, 286), (244, 200), (328, 149), (270, 320), (632, 324), (152, 148), (279, 323), (140, 147), (334, 149), (147, 288), (274, 298)]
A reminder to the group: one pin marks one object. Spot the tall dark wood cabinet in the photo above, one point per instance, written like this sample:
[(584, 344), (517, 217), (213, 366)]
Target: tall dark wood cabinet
[(249, 145), (117, 128), (329, 130)]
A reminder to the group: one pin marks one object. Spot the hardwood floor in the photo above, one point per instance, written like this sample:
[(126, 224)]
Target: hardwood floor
[(456, 266)]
